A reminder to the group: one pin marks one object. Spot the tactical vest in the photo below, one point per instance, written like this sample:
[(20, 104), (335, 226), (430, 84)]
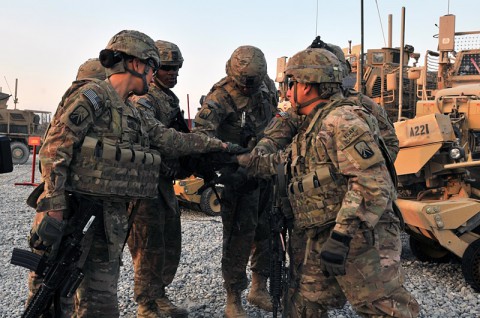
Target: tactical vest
[(116, 162), (316, 188), (247, 125)]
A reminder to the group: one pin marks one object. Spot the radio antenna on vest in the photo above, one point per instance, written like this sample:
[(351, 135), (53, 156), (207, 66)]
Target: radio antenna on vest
[(316, 22)]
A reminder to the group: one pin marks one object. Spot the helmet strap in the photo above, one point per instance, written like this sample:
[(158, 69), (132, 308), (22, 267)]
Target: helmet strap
[(140, 75), (304, 104)]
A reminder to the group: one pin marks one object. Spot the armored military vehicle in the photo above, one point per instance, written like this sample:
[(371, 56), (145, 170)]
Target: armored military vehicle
[(438, 162), (18, 125)]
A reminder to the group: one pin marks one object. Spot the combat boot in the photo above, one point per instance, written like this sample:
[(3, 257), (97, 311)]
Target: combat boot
[(167, 308), (258, 294), (234, 307), (148, 310)]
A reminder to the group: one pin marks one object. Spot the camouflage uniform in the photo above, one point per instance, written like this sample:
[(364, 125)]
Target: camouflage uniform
[(234, 116), (156, 237), (340, 182), (87, 152)]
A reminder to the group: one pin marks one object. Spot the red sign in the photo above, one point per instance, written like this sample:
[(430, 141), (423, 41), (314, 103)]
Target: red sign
[(34, 141)]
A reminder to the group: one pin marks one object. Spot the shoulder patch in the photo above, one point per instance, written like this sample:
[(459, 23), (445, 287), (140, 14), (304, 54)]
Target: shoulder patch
[(351, 134), (364, 150), (78, 115), (145, 103), (94, 100)]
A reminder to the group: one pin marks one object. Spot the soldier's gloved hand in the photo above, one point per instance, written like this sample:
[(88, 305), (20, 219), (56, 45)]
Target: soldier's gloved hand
[(244, 159), (221, 158), (234, 148), (47, 234), (235, 178), (333, 254)]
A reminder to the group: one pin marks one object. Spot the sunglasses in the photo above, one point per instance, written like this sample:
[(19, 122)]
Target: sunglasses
[(170, 68), (290, 83)]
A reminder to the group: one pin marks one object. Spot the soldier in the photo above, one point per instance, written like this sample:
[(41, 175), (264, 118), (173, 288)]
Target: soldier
[(346, 237), (284, 125), (95, 139), (237, 109), (155, 238), (91, 68)]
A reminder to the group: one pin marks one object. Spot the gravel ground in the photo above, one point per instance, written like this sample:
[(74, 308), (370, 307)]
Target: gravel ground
[(439, 288)]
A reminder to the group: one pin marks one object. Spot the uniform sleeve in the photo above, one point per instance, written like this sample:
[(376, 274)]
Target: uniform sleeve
[(68, 129), (279, 132), (351, 147), (211, 114), (173, 144), (387, 130)]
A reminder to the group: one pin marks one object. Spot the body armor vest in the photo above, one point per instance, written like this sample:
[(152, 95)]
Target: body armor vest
[(116, 161), (316, 188), (252, 115)]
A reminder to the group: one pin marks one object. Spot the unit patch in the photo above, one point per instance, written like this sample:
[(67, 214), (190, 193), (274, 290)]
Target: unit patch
[(94, 100), (364, 150), (79, 115)]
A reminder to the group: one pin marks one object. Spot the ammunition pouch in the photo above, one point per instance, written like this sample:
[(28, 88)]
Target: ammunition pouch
[(101, 169), (316, 197)]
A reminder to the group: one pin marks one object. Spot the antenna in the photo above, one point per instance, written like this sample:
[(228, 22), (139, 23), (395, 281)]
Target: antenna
[(316, 22), (15, 99)]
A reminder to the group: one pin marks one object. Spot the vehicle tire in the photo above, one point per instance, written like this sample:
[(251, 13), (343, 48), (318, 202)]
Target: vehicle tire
[(209, 202), (20, 152), (426, 250), (471, 265)]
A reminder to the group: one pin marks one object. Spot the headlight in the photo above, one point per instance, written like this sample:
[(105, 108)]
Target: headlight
[(456, 153)]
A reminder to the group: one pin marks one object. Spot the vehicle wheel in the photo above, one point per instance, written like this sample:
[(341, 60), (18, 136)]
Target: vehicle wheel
[(209, 202), (471, 265), (20, 152), (426, 250)]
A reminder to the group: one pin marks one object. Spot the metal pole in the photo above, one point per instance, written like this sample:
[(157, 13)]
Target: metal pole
[(188, 112), (390, 30), (402, 46), (361, 85)]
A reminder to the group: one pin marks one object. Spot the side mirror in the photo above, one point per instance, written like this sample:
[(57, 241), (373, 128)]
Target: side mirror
[(6, 164)]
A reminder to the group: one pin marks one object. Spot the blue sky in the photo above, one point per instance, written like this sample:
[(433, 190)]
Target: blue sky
[(44, 42)]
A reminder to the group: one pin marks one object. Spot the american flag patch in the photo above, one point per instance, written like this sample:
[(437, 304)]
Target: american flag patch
[(94, 100), (145, 103)]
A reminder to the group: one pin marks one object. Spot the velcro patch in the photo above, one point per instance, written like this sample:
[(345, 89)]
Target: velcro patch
[(78, 116), (94, 100), (364, 150)]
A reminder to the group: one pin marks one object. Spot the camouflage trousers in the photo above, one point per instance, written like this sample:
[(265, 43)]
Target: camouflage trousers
[(97, 294), (245, 234), (155, 243), (373, 283)]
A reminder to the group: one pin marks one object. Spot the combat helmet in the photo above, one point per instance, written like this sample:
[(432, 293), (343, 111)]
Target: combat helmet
[(315, 66), (92, 68), (247, 66), (129, 44), (169, 53)]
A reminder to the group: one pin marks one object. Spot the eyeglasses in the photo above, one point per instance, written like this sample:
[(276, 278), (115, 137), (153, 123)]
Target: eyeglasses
[(170, 68), (152, 64), (291, 81)]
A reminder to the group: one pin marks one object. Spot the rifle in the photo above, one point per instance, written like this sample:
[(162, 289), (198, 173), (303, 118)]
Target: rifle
[(281, 219), (62, 276)]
